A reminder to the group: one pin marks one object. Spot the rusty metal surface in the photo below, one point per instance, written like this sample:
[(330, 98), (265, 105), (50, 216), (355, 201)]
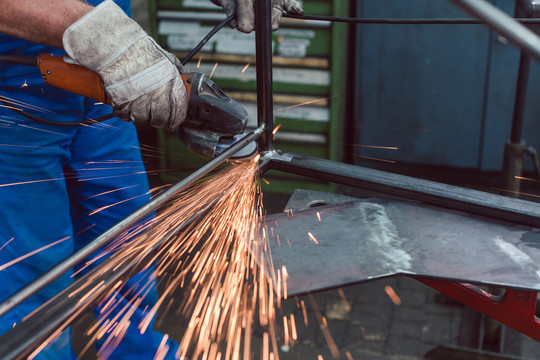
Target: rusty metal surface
[(374, 238)]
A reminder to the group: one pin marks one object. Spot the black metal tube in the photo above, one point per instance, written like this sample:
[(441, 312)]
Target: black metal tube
[(390, 21), (503, 24), (521, 98), (452, 197), (263, 58), (19, 60), (68, 263)]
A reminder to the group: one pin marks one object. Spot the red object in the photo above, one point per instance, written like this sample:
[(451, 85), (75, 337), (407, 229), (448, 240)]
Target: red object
[(516, 308)]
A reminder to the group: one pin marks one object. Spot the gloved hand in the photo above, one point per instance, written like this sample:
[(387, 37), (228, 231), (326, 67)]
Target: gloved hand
[(244, 10), (142, 80)]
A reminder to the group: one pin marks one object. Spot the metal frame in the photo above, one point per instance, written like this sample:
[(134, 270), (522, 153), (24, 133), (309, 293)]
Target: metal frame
[(27, 335)]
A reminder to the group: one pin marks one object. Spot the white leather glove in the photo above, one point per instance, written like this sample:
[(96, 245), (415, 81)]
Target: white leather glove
[(244, 10), (142, 80)]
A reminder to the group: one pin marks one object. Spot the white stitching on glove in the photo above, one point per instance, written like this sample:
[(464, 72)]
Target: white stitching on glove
[(244, 10), (142, 80)]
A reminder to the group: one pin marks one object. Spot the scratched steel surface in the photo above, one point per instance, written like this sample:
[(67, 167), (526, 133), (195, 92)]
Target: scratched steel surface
[(374, 238)]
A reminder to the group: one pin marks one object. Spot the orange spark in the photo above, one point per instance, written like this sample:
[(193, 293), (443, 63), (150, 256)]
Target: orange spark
[(38, 129), (324, 328), (378, 147), (199, 62), (319, 216), (376, 159), (111, 191), (305, 103), (24, 84), (163, 348), (313, 238), (304, 312), (93, 212), (245, 67), (31, 253), (348, 355), (276, 129), (10, 107), (23, 104), (294, 334), (286, 331), (344, 299), (392, 295), (7, 242), (516, 192), (214, 69), (265, 181)]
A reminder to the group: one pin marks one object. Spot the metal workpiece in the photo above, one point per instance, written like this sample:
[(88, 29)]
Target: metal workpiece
[(124, 225), (335, 245), (452, 197), (504, 24), (263, 58)]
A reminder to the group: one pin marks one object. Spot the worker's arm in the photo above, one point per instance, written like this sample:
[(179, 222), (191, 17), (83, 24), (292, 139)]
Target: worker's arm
[(43, 22), (142, 80)]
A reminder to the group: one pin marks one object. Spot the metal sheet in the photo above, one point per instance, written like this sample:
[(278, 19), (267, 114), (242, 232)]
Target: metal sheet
[(374, 238)]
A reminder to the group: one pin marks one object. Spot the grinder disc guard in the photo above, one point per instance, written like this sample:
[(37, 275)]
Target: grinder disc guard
[(209, 144)]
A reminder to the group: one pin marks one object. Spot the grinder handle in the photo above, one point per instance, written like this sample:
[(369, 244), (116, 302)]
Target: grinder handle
[(81, 80)]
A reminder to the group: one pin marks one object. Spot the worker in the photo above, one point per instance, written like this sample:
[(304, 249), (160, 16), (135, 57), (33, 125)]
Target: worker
[(61, 187)]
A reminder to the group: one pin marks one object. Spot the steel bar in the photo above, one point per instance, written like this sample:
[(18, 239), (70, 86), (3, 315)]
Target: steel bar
[(504, 24), (453, 197), (263, 58), (68, 263), (390, 21), (521, 98)]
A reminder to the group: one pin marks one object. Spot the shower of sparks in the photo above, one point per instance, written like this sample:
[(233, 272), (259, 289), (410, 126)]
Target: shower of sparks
[(213, 69), (221, 262), (392, 295), (313, 238), (245, 67)]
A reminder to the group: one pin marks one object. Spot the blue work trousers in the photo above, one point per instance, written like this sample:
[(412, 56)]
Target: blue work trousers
[(52, 180)]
